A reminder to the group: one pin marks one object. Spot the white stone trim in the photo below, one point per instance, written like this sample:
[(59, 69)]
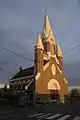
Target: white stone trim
[(39, 43), (26, 87), (19, 82), (23, 82), (45, 56), (46, 65), (59, 70), (21, 78), (28, 81), (20, 86), (53, 69), (65, 81), (39, 47), (49, 55), (53, 84), (29, 84), (54, 56), (37, 76), (59, 51)]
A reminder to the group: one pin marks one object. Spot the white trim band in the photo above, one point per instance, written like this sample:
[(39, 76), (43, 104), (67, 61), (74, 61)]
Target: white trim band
[(47, 64), (22, 78), (37, 76)]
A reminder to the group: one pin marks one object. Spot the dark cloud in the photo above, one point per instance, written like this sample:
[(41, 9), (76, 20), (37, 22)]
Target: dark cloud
[(21, 20), (72, 72), (16, 40)]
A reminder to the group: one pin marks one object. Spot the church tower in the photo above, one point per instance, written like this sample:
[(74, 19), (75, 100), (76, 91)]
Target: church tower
[(38, 60), (50, 81), (39, 54)]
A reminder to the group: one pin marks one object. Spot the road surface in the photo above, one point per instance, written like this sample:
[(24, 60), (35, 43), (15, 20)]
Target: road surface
[(42, 112)]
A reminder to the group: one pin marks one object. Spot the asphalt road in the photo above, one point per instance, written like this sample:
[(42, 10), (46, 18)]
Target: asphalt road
[(42, 112)]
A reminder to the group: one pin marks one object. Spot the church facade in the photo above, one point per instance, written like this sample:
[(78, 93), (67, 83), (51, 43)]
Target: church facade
[(46, 79)]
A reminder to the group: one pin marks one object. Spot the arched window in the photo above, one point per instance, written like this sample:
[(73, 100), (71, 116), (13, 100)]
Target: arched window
[(19, 86), (23, 86), (15, 86)]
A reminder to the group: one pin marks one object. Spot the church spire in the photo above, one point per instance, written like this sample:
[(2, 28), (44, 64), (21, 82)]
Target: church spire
[(47, 27), (47, 31), (39, 42)]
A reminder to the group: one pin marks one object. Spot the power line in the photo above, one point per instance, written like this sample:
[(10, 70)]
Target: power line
[(19, 55), (71, 49), (15, 53)]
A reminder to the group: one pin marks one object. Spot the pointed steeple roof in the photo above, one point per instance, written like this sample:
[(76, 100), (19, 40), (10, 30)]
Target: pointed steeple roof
[(39, 43), (47, 26), (47, 31), (59, 51)]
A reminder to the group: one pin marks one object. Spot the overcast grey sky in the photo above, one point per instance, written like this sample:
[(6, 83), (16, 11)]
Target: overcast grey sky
[(22, 20)]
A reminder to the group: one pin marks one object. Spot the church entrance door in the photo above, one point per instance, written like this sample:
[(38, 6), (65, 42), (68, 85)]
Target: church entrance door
[(54, 94), (54, 88)]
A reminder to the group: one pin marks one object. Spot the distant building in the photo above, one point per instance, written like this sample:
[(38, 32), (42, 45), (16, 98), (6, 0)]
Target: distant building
[(2, 85), (46, 78), (73, 87)]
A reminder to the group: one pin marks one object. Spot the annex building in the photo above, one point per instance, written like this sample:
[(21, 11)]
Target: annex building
[(45, 80)]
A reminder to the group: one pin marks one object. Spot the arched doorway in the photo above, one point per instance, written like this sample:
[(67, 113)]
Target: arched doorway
[(54, 88)]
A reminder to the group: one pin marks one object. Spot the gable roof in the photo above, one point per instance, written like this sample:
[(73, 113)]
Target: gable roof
[(24, 73)]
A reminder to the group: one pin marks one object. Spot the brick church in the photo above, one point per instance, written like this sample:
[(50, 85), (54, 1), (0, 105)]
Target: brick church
[(45, 80)]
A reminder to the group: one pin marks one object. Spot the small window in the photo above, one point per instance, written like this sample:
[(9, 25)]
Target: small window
[(19, 86), (23, 86), (15, 87)]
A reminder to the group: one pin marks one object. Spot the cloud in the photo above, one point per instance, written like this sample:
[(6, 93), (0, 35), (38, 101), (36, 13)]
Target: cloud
[(72, 72), (15, 40), (21, 20)]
